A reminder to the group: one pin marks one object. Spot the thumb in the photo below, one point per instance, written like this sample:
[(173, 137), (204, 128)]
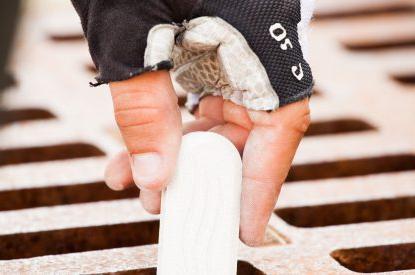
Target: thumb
[(148, 117)]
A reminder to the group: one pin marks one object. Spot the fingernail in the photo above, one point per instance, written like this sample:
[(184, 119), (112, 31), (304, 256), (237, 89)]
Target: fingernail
[(146, 168)]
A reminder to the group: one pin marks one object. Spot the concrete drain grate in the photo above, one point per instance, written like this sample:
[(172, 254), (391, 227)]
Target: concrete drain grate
[(349, 202)]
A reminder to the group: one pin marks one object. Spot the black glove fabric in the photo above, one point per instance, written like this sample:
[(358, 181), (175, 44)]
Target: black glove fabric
[(117, 32)]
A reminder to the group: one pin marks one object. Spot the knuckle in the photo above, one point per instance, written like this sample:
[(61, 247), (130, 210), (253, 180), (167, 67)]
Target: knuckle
[(304, 123), (299, 120), (138, 116), (134, 100)]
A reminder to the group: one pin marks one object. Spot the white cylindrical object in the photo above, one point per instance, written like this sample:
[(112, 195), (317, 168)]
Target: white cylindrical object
[(200, 209)]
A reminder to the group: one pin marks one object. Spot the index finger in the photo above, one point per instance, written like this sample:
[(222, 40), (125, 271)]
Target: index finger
[(267, 158)]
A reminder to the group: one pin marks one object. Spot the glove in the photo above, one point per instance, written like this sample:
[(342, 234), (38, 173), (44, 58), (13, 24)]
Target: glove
[(211, 57), (250, 52)]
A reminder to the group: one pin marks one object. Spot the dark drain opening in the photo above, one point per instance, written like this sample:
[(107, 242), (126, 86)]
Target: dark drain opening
[(7, 80), (338, 126), (181, 100), (380, 45), (374, 10), (244, 268), (28, 245), (377, 258), (349, 213), (48, 153), (405, 79), (19, 115), (143, 271), (317, 92), (90, 67), (61, 195), (351, 167), (68, 37)]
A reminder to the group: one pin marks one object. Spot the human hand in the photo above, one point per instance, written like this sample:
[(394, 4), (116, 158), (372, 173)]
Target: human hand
[(149, 119)]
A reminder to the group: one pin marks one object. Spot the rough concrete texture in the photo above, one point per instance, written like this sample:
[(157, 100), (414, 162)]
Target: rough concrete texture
[(349, 201)]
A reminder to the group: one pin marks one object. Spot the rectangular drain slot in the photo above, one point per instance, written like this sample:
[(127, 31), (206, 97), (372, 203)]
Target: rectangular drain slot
[(27, 114), (338, 126), (405, 79), (373, 10), (380, 45), (67, 37), (383, 258), (349, 212), (317, 92), (90, 67), (48, 153), (244, 268), (351, 167), (181, 100), (61, 195), (62, 241)]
